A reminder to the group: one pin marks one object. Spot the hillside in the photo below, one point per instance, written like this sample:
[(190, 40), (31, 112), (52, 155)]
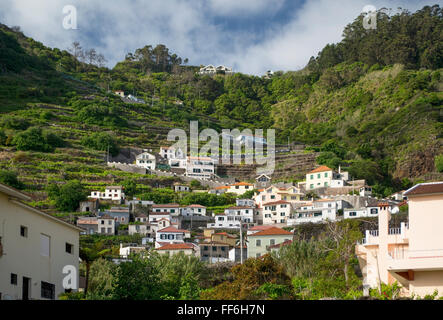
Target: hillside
[(378, 114)]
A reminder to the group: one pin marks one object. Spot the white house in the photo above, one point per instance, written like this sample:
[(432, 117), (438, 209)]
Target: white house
[(200, 167), (146, 160), (35, 247), (131, 248), (325, 177), (114, 193), (224, 221), (263, 181), (276, 212), (169, 208), (318, 211), (194, 210), (171, 235), (171, 153), (240, 187), (210, 70)]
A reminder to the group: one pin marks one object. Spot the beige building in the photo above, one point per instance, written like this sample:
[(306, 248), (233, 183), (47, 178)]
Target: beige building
[(412, 255), (259, 243), (187, 249), (240, 187), (34, 249), (276, 212)]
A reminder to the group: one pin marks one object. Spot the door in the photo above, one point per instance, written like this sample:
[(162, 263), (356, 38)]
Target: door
[(26, 288)]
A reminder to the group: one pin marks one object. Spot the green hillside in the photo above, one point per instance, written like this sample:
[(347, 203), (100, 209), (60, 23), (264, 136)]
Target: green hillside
[(371, 103)]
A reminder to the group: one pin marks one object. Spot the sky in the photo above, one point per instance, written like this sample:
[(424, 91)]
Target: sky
[(251, 36)]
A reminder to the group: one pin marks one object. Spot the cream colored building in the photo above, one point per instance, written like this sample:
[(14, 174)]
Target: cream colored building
[(273, 193), (259, 243), (412, 255), (34, 249), (325, 177), (240, 187), (276, 212), (187, 249)]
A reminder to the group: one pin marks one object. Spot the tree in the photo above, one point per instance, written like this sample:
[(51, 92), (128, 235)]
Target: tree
[(341, 249), (89, 254), (68, 196), (36, 139), (195, 184), (130, 187), (101, 141), (439, 163), (10, 178)]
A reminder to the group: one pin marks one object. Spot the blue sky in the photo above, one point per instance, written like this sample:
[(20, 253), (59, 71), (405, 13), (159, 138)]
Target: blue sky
[(251, 36)]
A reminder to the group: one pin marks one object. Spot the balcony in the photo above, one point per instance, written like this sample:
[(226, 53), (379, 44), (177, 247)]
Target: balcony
[(395, 235), (402, 259)]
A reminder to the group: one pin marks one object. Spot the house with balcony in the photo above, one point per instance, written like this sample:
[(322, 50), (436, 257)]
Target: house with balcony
[(276, 212), (200, 167), (411, 254), (260, 243), (321, 210)]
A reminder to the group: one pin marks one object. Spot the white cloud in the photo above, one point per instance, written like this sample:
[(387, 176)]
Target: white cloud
[(187, 27)]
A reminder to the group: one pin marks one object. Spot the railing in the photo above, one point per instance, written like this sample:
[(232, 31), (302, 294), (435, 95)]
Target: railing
[(373, 233), (394, 231)]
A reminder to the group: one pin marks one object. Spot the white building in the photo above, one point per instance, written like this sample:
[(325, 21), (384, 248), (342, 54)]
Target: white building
[(114, 193), (276, 212), (171, 234), (34, 249), (106, 225), (211, 70), (146, 160), (171, 153), (240, 187), (194, 210), (200, 167), (325, 177), (318, 211), (129, 249)]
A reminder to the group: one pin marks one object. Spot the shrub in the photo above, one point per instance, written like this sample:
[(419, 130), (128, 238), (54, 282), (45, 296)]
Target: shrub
[(101, 141), (36, 139), (439, 163), (10, 178), (68, 196)]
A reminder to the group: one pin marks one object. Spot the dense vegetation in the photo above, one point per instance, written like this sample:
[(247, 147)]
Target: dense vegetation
[(371, 103)]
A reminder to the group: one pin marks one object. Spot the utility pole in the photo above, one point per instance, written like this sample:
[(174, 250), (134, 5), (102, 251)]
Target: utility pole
[(107, 155), (241, 243)]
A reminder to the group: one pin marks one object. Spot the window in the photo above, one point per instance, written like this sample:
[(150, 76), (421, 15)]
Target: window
[(109, 222), (326, 184), (14, 279), (374, 211), (214, 248), (312, 177), (272, 197), (258, 243), (205, 248), (69, 248), (257, 255), (223, 248), (24, 231), (352, 214), (45, 245), (282, 214), (311, 186), (47, 290), (326, 174), (318, 175), (272, 242)]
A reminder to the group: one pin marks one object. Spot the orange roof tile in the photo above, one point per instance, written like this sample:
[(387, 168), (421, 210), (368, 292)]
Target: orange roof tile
[(321, 169), (176, 246), (173, 229), (242, 184), (271, 231)]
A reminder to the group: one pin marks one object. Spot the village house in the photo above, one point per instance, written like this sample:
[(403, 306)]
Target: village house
[(276, 212), (181, 187), (245, 212), (131, 248), (171, 235), (169, 208), (88, 224), (200, 167), (145, 160), (120, 215), (245, 202), (106, 225), (318, 211), (219, 190), (34, 249), (214, 252), (224, 221), (188, 249), (211, 70), (113, 193), (120, 93), (272, 193), (194, 210), (240, 187), (259, 228), (410, 254), (262, 181), (171, 153), (209, 235), (259, 243), (325, 177), (89, 206)]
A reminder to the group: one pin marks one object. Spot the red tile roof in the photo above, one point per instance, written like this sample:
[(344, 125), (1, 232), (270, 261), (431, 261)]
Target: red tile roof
[(271, 231), (195, 206), (242, 184), (425, 188), (321, 169), (173, 229), (262, 227), (176, 246)]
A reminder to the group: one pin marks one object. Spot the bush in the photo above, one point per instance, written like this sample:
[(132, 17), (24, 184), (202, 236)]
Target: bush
[(16, 123), (68, 196), (3, 138), (101, 141), (10, 178), (439, 163), (36, 139)]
